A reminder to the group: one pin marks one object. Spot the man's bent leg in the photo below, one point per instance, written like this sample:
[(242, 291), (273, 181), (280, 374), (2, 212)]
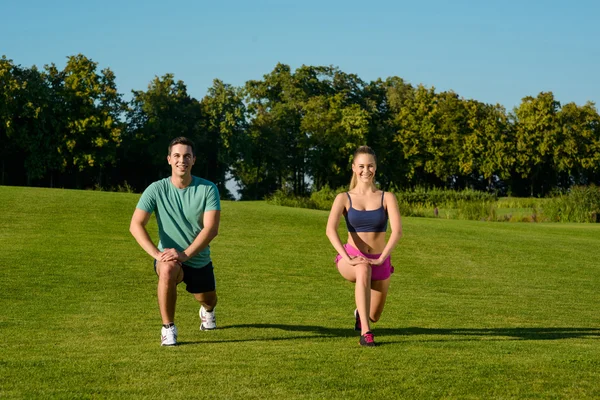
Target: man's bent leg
[(201, 283), (208, 299), (169, 275), (208, 321)]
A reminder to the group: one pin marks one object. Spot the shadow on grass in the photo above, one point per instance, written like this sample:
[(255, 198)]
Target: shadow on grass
[(498, 334), (420, 334)]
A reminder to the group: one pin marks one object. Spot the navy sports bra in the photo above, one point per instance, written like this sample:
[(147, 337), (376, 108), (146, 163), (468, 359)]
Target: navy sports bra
[(366, 220)]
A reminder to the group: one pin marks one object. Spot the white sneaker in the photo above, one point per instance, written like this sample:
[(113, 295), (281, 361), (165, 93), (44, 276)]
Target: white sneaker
[(207, 319), (168, 336)]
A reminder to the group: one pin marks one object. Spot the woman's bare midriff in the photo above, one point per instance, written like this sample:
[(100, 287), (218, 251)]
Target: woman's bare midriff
[(367, 242)]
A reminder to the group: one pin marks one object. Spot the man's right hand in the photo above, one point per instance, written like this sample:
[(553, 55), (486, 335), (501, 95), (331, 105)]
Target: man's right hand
[(168, 255)]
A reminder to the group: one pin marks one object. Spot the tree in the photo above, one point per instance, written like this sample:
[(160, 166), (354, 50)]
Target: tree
[(577, 152), (488, 146), (537, 126), (92, 111), (155, 117), (223, 136), (418, 134), (446, 140), (384, 100), (29, 129), (336, 131), (8, 88), (279, 145)]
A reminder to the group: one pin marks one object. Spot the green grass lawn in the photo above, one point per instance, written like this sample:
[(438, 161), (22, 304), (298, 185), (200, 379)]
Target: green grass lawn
[(476, 310)]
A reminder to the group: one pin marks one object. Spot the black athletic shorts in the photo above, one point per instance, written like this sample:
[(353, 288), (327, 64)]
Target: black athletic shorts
[(198, 280)]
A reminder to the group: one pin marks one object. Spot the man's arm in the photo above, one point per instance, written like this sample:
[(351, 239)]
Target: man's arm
[(211, 220), (137, 227)]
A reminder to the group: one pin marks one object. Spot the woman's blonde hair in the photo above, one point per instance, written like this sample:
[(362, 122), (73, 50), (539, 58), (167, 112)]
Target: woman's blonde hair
[(360, 150)]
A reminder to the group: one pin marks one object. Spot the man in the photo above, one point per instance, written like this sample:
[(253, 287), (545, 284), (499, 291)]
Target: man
[(188, 213)]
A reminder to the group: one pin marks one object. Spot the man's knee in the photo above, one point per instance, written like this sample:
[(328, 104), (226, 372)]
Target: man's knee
[(169, 271)]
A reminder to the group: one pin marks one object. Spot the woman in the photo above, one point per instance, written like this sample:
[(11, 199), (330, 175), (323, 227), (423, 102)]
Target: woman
[(365, 259)]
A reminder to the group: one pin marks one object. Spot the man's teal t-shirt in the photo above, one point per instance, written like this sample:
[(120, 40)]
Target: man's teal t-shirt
[(179, 213)]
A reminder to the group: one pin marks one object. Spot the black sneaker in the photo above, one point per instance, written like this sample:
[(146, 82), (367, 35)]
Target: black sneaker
[(357, 325), (367, 340)]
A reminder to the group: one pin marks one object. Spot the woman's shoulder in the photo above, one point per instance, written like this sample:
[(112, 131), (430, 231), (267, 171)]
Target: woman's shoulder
[(341, 200), (390, 200), (343, 196)]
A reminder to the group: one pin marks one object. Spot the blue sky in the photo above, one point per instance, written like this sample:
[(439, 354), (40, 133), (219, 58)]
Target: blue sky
[(495, 52)]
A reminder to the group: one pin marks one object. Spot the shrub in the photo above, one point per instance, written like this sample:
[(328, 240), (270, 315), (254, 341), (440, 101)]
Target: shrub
[(520, 202), (282, 198), (579, 204), (481, 210), (444, 203), (318, 200), (323, 199), (441, 197)]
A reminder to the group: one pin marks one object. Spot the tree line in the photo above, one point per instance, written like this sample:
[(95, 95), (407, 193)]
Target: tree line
[(294, 130)]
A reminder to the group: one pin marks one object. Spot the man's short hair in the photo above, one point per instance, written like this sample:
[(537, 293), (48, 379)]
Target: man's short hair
[(182, 140)]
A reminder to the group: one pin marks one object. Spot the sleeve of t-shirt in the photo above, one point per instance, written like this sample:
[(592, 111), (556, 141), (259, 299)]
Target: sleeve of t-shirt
[(147, 201), (213, 203)]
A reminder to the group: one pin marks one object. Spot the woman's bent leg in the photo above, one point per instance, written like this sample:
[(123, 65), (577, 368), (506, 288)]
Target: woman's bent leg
[(379, 291)]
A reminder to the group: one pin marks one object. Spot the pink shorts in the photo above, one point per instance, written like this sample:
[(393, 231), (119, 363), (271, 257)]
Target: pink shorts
[(378, 272)]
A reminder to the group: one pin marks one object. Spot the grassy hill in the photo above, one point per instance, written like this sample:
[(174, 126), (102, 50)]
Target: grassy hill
[(476, 310)]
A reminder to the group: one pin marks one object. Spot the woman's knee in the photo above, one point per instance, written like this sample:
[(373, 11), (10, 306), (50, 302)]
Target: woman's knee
[(375, 316), (363, 272)]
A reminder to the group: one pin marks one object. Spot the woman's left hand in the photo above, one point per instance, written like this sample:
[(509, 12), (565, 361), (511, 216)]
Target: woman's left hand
[(379, 261)]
